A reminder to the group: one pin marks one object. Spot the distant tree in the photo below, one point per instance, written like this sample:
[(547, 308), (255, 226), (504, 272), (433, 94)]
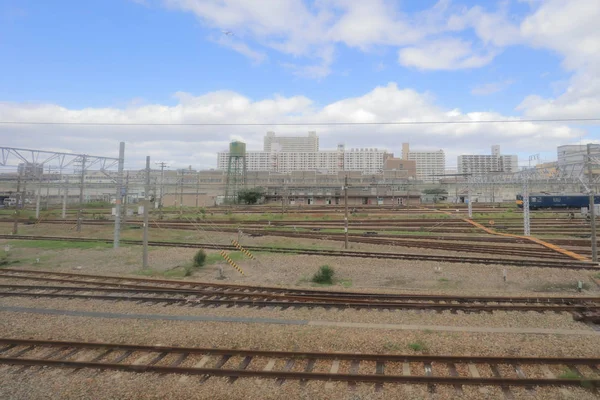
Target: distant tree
[(438, 193), (437, 190), (251, 196)]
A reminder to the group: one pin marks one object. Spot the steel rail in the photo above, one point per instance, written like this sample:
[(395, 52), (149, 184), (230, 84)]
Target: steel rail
[(320, 376), (356, 254), (304, 355), (309, 302), (152, 366), (189, 287), (299, 294), (537, 252)]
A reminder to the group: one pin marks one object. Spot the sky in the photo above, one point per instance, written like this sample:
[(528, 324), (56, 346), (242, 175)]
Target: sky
[(297, 61)]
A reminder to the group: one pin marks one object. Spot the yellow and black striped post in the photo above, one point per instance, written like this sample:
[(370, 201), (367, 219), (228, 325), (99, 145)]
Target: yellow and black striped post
[(230, 261), (243, 250)]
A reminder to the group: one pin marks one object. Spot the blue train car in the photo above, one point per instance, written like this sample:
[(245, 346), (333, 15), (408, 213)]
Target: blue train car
[(537, 201)]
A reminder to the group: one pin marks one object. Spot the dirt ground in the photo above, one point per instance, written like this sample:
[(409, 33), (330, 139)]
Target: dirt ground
[(353, 274), (296, 270)]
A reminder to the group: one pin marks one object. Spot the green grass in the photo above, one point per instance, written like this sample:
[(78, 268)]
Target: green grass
[(216, 258), (417, 346), (568, 374), (597, 275), (347, 283), (444, 280), (559, 287), (59, 245), (391, 346), (6, 261), (324, 275)]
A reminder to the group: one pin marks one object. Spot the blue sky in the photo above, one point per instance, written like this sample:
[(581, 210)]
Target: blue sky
[(126, 60)]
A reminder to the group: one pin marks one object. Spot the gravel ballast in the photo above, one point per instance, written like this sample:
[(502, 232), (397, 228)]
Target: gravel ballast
[(87, 384), (499, 319)]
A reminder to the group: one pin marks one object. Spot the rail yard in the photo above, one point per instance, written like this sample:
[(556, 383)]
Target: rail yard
[(424, 303)]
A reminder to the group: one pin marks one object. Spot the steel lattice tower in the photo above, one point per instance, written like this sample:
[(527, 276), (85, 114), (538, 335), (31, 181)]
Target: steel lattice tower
[(236, 171)]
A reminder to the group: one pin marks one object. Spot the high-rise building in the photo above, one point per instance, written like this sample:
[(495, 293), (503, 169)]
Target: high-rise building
[(288, 144), (367, 160), (572, 158), (430, 165), (479, 164), (496, 150)]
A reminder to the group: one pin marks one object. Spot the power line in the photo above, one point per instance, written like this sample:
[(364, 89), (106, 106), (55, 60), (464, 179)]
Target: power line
[(498, 121)]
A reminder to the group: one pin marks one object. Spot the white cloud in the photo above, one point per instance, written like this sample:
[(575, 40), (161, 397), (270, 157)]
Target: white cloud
[(570, 28), (491, 88), (444, 54), (567, 27), (297, 28), (256, 56), (181, 146)]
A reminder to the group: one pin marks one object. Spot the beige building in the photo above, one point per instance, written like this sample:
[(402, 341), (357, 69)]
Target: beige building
[(430, 165), (303, 144), (481, 164), (368, 160)]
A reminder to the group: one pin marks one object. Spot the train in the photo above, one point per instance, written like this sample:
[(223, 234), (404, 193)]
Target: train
[(551, 201)]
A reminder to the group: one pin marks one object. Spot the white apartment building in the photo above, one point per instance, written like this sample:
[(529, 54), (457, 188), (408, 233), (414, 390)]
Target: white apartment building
[(480, 164), (430, 165), (366, 160), (572, 158), (301, 144)]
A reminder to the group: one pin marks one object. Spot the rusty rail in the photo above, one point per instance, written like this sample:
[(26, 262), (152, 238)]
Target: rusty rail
[(567, 264), (144, 359), (283, 301)]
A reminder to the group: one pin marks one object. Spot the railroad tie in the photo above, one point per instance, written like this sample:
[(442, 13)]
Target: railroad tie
[(406, 372), (199, 364), (230, 261), (335, 367), (550, 375), (475, 374)]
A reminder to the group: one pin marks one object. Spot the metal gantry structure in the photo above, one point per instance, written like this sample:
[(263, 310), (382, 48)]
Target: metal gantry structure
[(559, 177), (30, 164)]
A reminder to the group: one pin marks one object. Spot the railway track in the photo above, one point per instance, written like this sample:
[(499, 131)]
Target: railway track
[(199, 298), (199, 294), (284, 366), (535, 251), (567, 264)]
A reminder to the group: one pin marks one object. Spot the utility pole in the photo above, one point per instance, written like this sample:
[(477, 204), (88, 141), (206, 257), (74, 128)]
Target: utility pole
[(283, 197), (346, 212), (39, 194), (146, 210), (64, 205), (117, 232), (470, 205), (81, 181), (19, 197), (125, 198), (162, 166), (197, 189), (592, 205), (181, 193), (47, 189), (526, 219)]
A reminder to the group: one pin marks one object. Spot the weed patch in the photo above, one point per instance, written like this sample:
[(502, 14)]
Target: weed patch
[(59, 244), (568, 374), (324, 275), (417, 346), (391, 346)]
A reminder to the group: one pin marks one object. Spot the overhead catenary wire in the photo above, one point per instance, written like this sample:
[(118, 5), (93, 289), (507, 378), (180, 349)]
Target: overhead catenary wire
[(325, 123)]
